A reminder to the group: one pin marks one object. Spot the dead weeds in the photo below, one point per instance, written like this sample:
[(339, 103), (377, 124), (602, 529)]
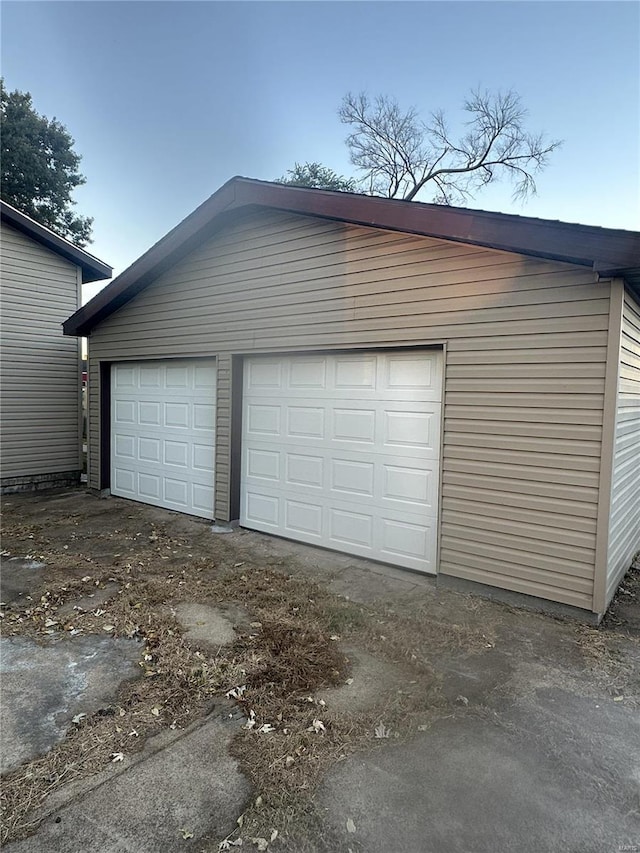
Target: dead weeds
[(272, 671), (289, 650)]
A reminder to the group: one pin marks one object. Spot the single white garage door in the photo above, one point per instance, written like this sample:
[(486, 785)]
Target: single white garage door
[(163, 433), (342, 451)]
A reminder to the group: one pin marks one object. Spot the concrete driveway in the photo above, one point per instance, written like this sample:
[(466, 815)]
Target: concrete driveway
[(533, 742)]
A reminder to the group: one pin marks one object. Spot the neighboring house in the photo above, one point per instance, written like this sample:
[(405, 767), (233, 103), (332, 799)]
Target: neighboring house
[(41, 276), (447, 390)]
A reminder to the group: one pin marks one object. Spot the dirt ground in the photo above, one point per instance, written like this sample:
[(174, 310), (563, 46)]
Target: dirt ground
[(121, 569)]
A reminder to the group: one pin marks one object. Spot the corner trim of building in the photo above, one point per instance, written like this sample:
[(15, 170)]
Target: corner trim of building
[(609, 409)]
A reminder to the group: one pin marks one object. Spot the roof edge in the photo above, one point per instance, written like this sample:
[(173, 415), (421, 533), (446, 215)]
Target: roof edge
[(584, 245), (93, 269)]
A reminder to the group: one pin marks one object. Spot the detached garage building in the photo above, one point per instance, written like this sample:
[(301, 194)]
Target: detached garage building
[(448, 390), (41, 277)]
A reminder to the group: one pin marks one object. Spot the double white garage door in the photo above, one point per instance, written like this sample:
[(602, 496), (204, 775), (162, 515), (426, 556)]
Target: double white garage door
[(340, 451)]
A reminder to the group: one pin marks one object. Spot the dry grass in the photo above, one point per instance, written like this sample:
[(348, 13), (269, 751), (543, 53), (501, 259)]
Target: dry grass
[(288, 650)]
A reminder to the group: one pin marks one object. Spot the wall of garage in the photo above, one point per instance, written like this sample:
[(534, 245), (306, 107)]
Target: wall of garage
[(624, 523), (40, 370), (526, 350)]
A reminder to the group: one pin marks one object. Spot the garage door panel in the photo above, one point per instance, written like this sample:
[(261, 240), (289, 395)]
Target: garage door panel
[(262, 510), (149, 450), (409, 485), (409, 542), (163, 434), (264, 375), (346, 377), (177, 377), (408, 479), (202, 497), (124, 481), (353, 476), (149, 377), (176, 491), (353, 424), (125, 446), (149, 413), (307, 374), (203, 458), (302, 517), (413, 373), (263, 420), (354, 467), (349, 527), (125, 412), (204, 416), (175, 453), (123, 378), (204, 378), (306, 422), (150, 486), (263, 464), (176, 415), (303, 469)]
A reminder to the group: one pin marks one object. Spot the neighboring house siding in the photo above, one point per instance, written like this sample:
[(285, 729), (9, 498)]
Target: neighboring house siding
[(624, 522), (39, 373), (526, 344)]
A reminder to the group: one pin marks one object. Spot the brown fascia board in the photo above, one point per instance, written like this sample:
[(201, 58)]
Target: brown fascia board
[(604, 250), (93, 269)]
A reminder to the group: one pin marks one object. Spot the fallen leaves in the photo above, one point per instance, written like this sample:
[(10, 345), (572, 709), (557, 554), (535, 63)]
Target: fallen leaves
[(236, 692)]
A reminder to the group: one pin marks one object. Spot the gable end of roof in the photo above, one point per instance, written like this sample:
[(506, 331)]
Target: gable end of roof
[(92, 268), (607, 251)]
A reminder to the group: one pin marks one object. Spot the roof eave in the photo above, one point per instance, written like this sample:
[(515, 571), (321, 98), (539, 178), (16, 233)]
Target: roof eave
[(591, 247), (93, 269)]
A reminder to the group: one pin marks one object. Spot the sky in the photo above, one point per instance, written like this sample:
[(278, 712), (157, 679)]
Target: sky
[(168, 100)]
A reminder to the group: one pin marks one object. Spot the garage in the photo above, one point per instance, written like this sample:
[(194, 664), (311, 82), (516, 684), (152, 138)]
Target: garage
[(342, 451), (446, 390), (163, 433)]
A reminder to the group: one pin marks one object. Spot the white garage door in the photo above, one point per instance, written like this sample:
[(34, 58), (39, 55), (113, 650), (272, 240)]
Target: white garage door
[(163, 433), (342, 451)]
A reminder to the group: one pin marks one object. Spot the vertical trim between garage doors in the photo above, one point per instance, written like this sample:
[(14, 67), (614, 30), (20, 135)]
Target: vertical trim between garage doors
[(105, 425), (441, 460), (235, 469)]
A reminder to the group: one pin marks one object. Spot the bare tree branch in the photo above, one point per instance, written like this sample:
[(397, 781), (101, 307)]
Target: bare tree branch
[(398, 155)]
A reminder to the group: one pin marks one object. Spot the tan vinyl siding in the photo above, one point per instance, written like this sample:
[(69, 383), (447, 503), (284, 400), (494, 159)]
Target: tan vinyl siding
[(524, 379), (624, 521), (40, 412)]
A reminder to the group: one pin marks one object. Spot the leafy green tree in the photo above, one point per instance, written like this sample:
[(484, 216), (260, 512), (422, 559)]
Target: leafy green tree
[(39, 168), (318, 177)]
